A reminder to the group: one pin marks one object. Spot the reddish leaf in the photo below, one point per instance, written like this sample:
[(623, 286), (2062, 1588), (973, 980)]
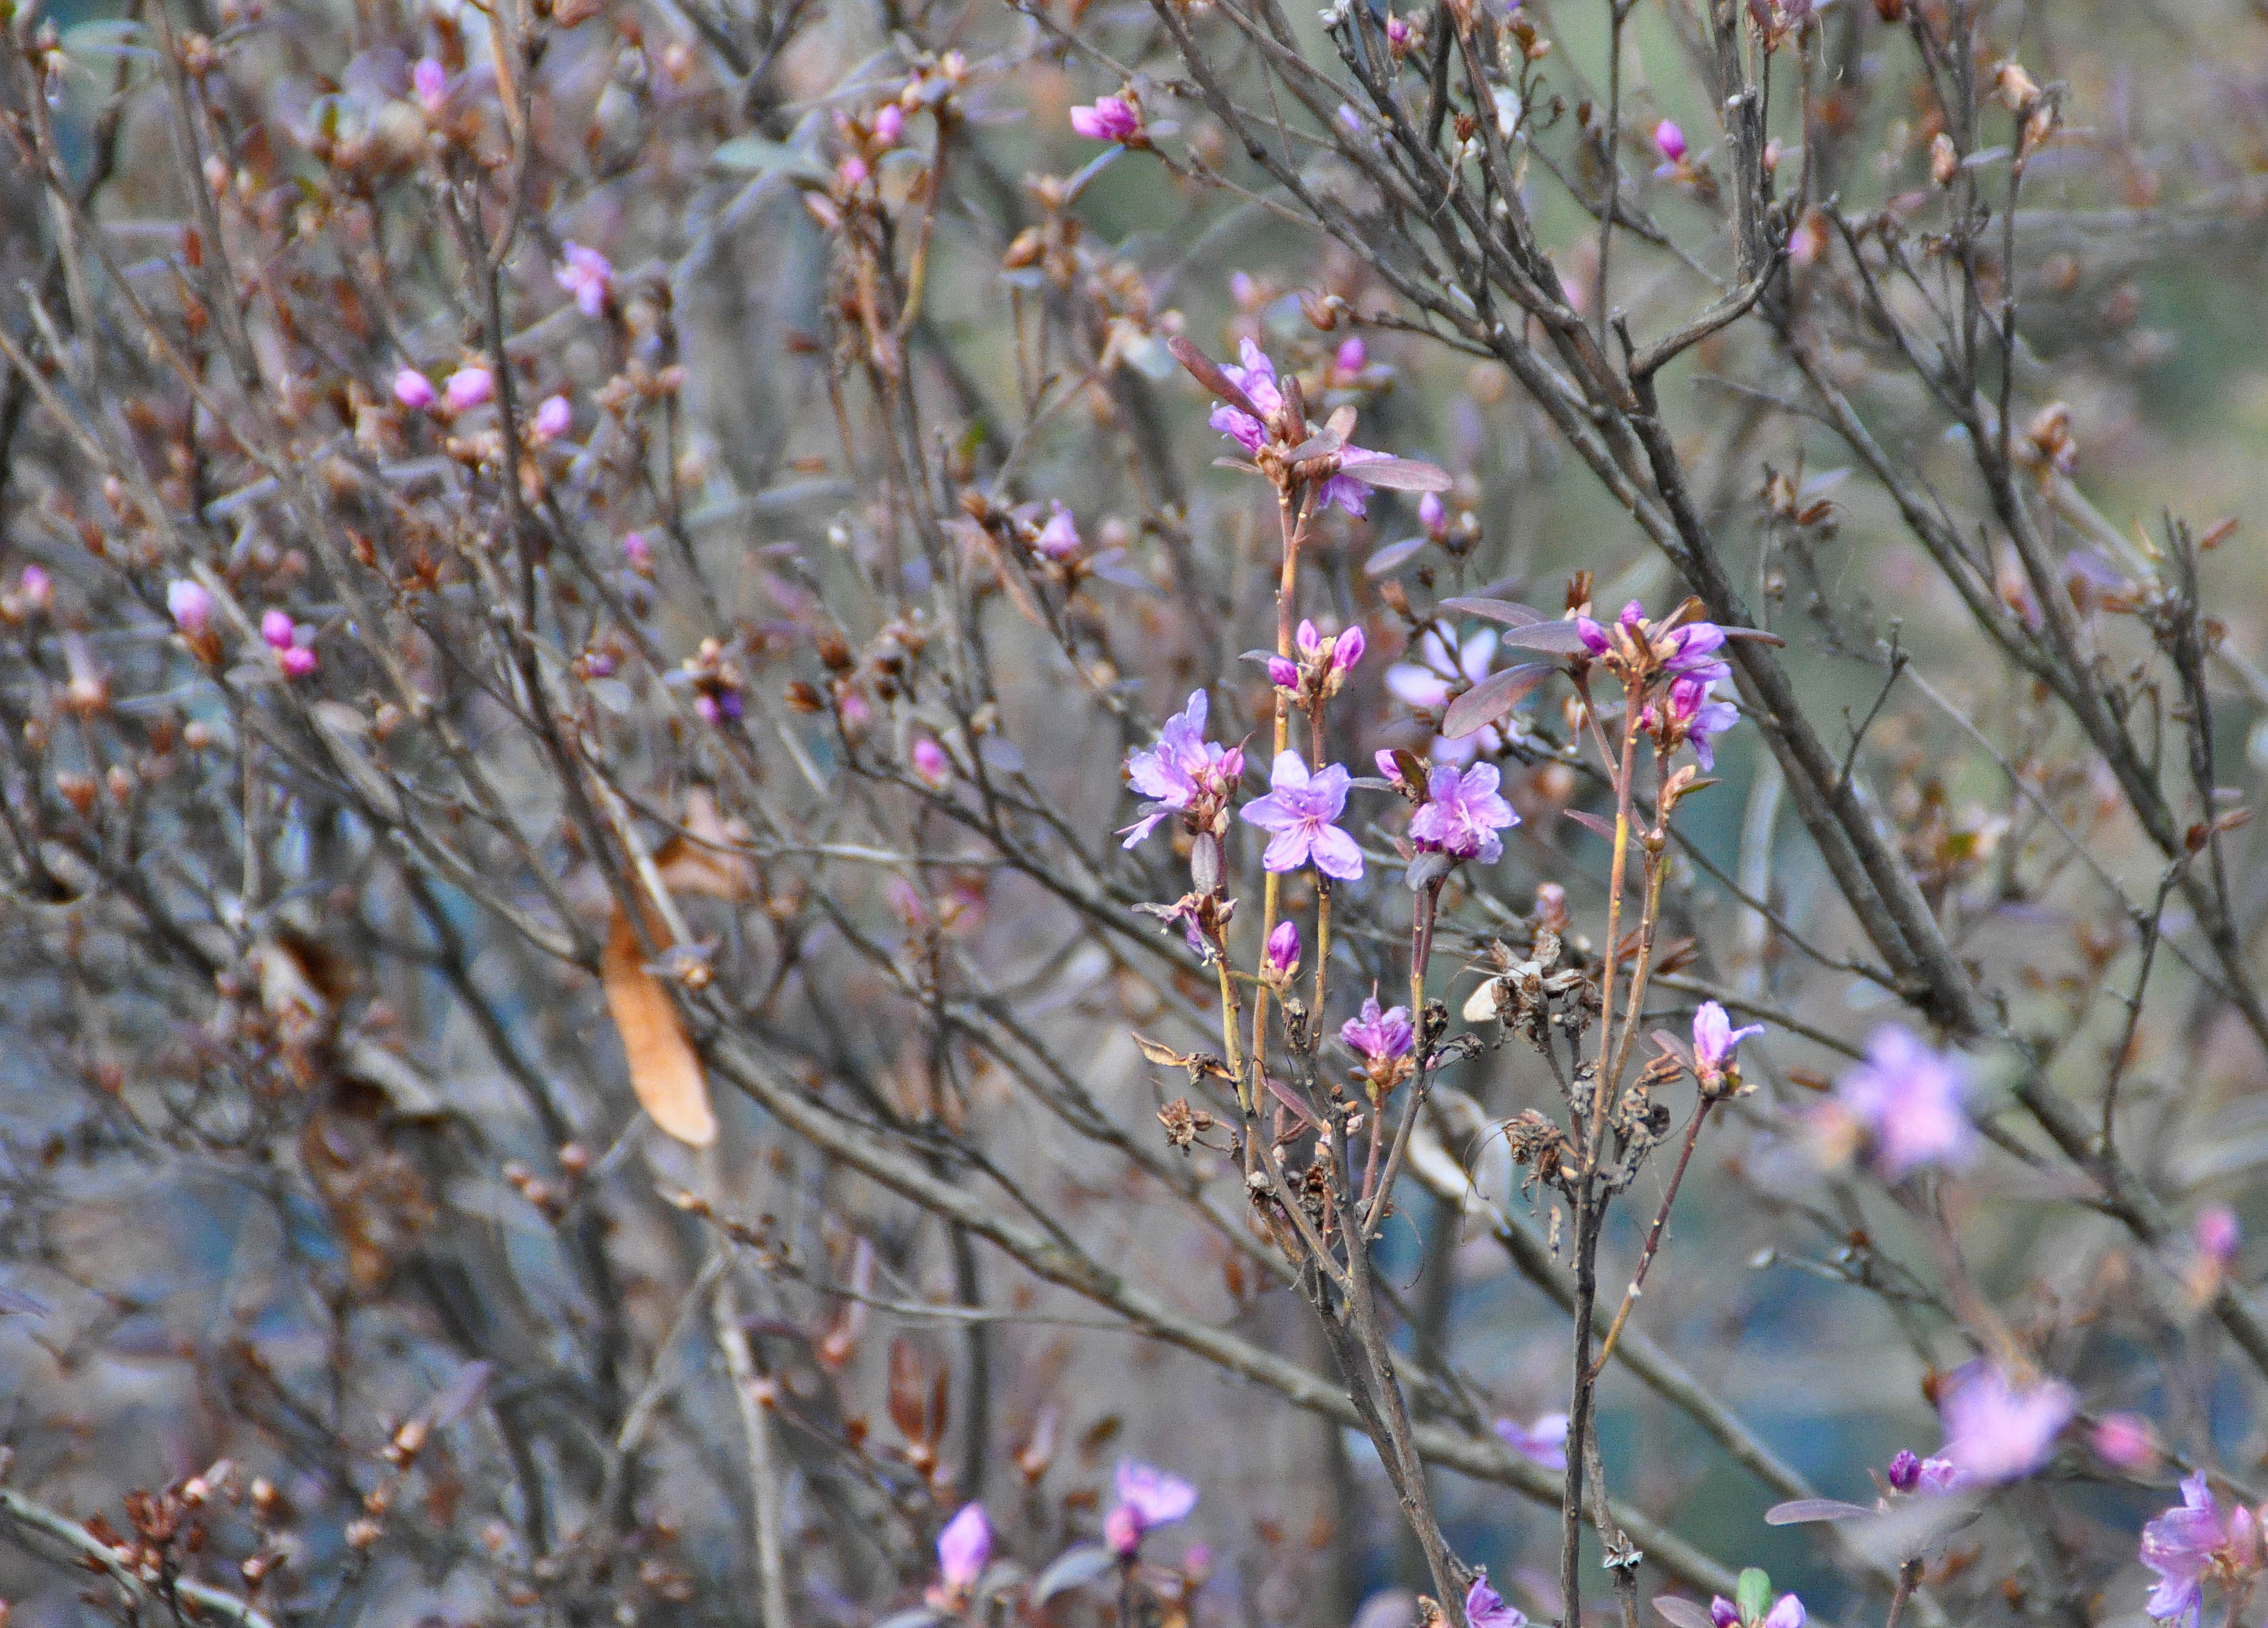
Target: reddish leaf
[(1207, 372), (1402, 475), (1505, 611), (1492, 697)]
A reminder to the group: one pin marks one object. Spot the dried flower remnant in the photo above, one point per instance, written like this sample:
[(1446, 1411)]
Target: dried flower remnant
[(2001, 1429), (1299, 812)]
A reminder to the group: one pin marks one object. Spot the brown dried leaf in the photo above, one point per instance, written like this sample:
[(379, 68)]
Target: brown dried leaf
[(664, 1070)]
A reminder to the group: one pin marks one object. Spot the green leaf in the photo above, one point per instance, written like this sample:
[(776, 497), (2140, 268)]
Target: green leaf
[(1754, 1595)]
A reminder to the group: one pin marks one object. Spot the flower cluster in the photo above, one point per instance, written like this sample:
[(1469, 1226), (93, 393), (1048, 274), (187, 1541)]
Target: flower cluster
[(1324, 660), (2198, 1542), (1184, 774), (1147, 1498)]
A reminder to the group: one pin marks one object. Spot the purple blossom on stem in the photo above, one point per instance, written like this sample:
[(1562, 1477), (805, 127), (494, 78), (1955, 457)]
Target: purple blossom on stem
[(1787, 1612), (413, 390), (1379, 1038), (1255, 375), (1284, 673), (1703, 716), (1148, 1498), (1723, 1613), (1462, 813), (1299, 812), (1059, 539), (190, 604), (587, 274), (1908, 1099), (1349, 651), (1910, 1472), (2186, 1545), (1904, 1469), (275, 627), (1670, 140), (889, 125), (930, 763), (1280, 958), (1715, 1041), (1107, 119), (468, 387), (1182, 768), (553, 419), (1997, 1431), (1485, 1608), (1433, 515), (1544, 1442), (964, 1547), (1352, 356)]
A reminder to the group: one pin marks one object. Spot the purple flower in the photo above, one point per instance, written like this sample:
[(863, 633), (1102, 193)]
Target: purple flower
[(1485, 1608), (1379, 1038), (1059, 539), (2218, 1234), (1432, 673), (1348, 650), (1299, 811), (1148, 1498), (1107, 119), (429, 83), (1909, 1471), (1908, 1100), (554, 418), (1904, 1470), (468, 387), (1670, 140), (930, 763), (413, 390), (1462, 813), (1692, 704), (300, 662), (587, 274), (638, 553), (2184, 1546), (1351, 356), (190, 606), (1723, 1613), (1787, 1612), (964, 1548), (37, 587), (1715, 1041), (1284, 673), (1995, 1432), (1181, 769), (889, 124), (1433, 515), (1255, 375), (1397, 32), (276, 627), (1545, 1441), (1281, 957)]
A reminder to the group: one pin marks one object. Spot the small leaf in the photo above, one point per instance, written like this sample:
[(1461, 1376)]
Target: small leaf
[(1505, 611), (1402, 475), (1492, 697), (665, 1073), (1797, 1511), (1591, 823), (16, 1303), (1315, 446), (1393, 555), (1207, 372), (1753, 1596), (1076, 1567), (1756, 636), (460, 1393), (1680, 1612), (1560, 638), (1164, 1057), (767, 157)]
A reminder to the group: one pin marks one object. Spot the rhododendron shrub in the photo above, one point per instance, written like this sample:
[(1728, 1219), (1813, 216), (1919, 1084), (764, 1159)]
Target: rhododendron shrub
[(1154, 814)]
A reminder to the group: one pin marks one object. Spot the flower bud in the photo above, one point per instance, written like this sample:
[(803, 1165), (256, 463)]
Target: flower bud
[(190, 604), (1280, 960), (275, 627), (1284, 673), (413, 390), (468, 387), (1347, 651)]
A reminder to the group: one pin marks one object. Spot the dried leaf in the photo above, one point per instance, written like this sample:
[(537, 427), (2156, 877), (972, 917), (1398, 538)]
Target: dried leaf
[(664, 1070), (705, 859)]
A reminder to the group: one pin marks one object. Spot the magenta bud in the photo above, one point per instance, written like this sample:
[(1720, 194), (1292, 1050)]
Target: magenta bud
[(1904, 1470), (1306, 641), (1671, 141), (1352, 356), (190, 606), (1282, 959), (1594, 636), (1398, 30), (413, 390), (1433, 514), (37, 588), (554, 418), (889, 124), (468, 387), (1348, 650), (428, 82), (1282, 671), (2125, 1441), (930, 763), (637, 551), (275, 627), (297, 662), (1387, 767), (1122, 1530), (2218, 1232)]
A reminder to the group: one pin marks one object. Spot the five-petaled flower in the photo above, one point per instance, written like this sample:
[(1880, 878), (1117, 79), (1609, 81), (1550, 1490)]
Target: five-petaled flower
[(587, 274), (1997, 1429), (2199, 1540), (1184, 773), (1715, 1042), (1908, 1099), (1379, 1037), (1297, 812), (1462, 813), (1148, 1498)]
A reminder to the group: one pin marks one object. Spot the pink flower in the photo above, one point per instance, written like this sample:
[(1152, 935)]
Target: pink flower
[(2218, 1234), (1669, 140), (2126, 1441), (1059, 539), (2186, 1545), (275, 627), (1485, 1608), (1148, 1498), (930, 763), (1280, 958), (1298, 810), (413, 390), (1397, 32), (1692, 704), (190, 605), (554, 418), (1715, 1041), (889, 125), (1351, 356), (853, 173), (1379, 1037), (1183, 769), (1255, 375), (468, 387), (429, 83), (1433, 515), (37, 587), (1908, 1098), (638, 553), (587, 274), (1107, 119), (1544, 1442), (1462, 813), (297, 662), (1994, 1431), (1348, 650), (963, 1549)]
